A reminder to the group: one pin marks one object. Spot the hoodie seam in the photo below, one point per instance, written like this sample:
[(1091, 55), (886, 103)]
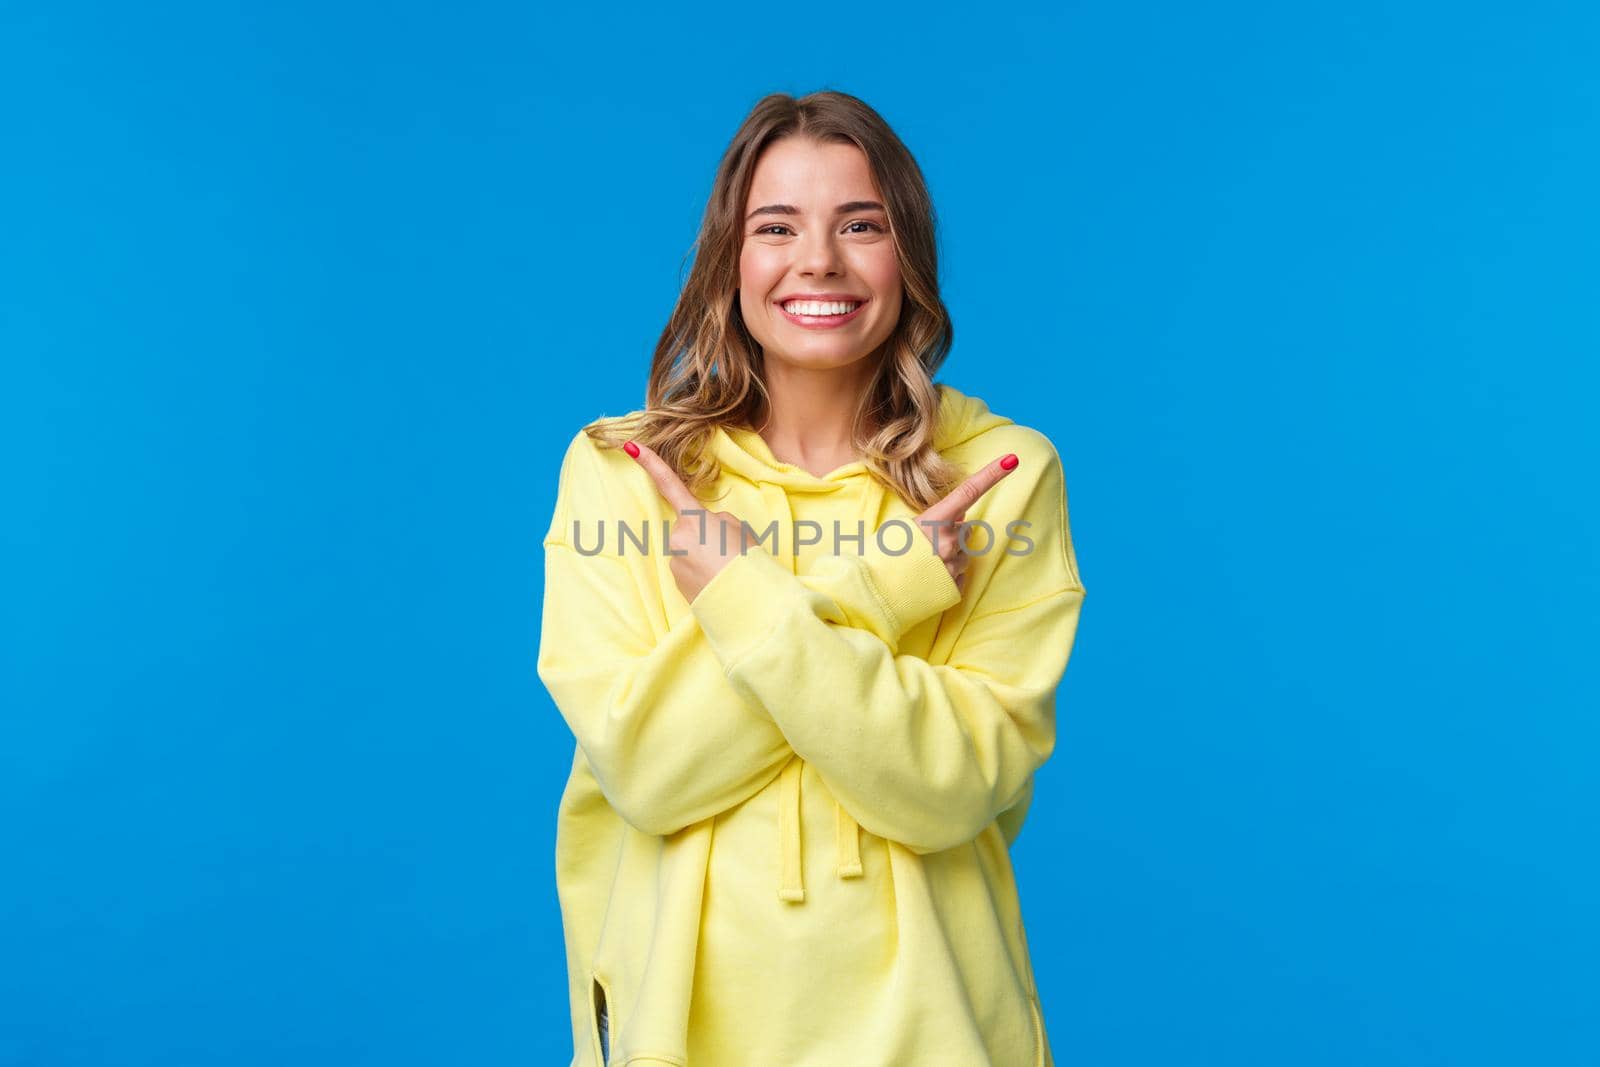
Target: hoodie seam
[(1028, 603)]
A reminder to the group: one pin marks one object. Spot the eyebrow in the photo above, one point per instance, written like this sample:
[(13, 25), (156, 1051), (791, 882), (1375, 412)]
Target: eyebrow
[(842, 209)]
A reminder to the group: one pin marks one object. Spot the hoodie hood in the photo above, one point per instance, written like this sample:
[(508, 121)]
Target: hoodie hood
[(852, 494)]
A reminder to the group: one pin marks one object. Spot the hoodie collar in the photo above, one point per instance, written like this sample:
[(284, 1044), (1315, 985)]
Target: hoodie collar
[(746, 453)]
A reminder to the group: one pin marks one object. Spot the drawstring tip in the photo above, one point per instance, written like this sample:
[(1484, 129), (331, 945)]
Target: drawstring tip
[(848, 842), (791, 883)]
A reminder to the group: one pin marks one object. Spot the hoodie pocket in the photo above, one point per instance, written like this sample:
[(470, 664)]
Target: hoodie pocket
[(600, 1019)]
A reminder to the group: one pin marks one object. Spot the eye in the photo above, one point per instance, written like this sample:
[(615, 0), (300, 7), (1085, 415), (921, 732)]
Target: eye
[(871, 227)]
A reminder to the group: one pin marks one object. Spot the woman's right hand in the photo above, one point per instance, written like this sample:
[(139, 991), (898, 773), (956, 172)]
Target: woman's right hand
[(941, 522), (700, 541)]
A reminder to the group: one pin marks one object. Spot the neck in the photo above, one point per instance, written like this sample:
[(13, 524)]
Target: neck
[(808, 420)]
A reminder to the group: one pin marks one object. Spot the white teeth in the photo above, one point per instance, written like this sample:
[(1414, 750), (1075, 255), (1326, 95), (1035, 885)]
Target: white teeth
[(820, 307)]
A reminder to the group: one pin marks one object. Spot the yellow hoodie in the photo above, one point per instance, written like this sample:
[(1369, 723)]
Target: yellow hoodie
[(784, 840)]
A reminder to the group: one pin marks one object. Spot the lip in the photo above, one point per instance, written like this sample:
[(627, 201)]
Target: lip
[(822, 322), (852, 297)]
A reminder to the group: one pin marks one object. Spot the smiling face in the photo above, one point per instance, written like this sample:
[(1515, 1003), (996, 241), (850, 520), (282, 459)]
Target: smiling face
[(819, 285)]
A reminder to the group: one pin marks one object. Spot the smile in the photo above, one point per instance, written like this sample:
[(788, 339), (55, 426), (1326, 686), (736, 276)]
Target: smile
[(821, 314)]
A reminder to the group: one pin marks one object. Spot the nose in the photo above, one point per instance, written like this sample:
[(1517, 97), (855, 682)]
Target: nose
[(818, 254)]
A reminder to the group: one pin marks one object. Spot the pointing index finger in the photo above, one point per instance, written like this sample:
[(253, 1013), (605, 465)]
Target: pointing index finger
[(667, 481), (954, 507)]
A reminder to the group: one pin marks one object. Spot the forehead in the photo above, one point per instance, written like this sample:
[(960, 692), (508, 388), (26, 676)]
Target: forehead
[(809, 174)]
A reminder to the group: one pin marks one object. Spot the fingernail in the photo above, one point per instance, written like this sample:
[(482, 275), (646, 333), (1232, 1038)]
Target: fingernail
[(631, 449), (1008, 463)]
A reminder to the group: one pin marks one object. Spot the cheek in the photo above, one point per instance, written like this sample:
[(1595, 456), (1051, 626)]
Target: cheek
[(757, 267), (892, 302), (755, 281), (881, 271)]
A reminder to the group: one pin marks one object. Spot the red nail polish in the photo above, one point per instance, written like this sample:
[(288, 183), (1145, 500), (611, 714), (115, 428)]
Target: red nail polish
[(631, 449), (1008, 463)]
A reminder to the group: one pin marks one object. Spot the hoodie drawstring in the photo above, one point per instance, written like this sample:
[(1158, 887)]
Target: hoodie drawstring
[(847, 835)]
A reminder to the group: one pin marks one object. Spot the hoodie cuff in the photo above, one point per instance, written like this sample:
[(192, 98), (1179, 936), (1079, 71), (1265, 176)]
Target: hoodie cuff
[(736, 608), (913, 585)]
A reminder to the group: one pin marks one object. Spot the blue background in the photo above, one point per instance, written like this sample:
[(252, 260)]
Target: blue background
[(299, 305)]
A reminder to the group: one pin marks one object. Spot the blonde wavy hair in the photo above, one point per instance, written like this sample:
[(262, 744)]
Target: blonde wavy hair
[(707, 368)]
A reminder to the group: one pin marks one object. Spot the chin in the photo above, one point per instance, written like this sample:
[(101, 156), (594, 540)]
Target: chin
[(821, 360)]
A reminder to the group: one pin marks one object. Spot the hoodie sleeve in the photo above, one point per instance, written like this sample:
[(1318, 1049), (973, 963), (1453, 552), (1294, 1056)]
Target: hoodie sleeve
[(670, 739), (925, 754)]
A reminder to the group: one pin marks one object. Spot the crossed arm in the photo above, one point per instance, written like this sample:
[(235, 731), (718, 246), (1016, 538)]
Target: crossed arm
[(691, 722)]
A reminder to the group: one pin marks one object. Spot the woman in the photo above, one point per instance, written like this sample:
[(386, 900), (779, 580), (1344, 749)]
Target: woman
[(807, 723)]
